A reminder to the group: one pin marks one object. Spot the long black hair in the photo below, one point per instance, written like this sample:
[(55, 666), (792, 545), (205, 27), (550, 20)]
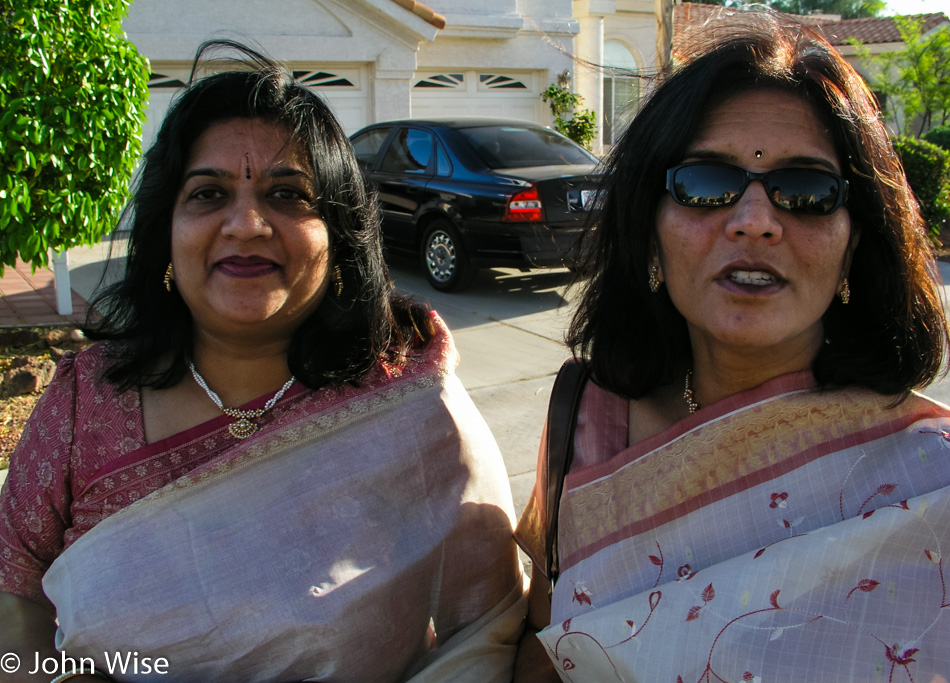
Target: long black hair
[(892, 335), (347, 334)]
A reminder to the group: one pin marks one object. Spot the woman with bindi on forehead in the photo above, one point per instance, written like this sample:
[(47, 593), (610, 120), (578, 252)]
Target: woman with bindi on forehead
[(738, 479)]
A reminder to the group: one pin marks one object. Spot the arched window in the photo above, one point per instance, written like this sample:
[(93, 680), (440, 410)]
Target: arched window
[(621, 89)]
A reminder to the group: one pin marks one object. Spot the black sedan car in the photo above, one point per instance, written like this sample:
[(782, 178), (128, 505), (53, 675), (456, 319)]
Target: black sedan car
[(464, 193)]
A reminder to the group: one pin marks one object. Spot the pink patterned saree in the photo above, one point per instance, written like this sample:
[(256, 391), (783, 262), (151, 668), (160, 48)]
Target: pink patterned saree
[(363, 534), (783, 534)]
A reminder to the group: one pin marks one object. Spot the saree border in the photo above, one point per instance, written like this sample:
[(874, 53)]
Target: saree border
[(200, 432), (774, 389), (700, 465)]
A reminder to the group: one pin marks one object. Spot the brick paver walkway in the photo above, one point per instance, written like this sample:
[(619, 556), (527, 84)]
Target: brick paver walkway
[(28, 299)]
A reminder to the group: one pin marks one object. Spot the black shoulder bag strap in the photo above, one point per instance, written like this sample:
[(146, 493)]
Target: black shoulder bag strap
[(562, 420)]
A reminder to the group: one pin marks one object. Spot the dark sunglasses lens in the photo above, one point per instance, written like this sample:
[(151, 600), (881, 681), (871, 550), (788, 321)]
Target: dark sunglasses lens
[(804, 190), (711, 185)]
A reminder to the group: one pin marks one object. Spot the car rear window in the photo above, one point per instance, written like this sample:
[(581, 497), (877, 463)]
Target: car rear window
[(515, 147)]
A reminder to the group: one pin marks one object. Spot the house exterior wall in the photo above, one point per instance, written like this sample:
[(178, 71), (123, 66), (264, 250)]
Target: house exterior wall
[(380, 46), (634, 26), (895, 120), (361, 38), (529, 40), (632, 23)]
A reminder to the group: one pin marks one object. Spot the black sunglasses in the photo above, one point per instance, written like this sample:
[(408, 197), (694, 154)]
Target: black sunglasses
[(800, 190)]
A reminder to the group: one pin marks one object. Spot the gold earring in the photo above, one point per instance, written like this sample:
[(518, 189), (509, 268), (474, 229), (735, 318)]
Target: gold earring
[(338, 280), (844, 291), (654, 279), (169, 273)]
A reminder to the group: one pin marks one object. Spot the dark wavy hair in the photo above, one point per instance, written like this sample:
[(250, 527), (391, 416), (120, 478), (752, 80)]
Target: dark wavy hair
[(347, 334), (892, 335)]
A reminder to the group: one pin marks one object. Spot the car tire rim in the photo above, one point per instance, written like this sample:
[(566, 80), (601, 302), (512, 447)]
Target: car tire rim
[(440, 256)]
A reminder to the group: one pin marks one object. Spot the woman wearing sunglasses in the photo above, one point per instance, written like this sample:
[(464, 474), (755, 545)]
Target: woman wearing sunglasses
[(754, 491)]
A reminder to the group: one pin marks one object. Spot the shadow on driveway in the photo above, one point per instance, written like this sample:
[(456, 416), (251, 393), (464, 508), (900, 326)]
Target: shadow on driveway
[(496, 294)]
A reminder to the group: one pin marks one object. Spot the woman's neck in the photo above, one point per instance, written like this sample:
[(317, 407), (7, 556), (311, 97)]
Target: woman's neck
[(714, 379), (240, 373), (720, 368)]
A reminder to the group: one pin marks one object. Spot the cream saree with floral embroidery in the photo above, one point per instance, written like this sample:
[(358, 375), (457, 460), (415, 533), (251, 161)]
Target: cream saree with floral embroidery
[(367, 539), (784, 534)]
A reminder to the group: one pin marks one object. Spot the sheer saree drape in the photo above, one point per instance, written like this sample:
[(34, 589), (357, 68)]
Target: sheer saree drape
[(784, 534), (363, 534)]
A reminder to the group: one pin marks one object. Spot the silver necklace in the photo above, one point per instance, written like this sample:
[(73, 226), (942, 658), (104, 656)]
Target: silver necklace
[(688, 393), (242, 427)]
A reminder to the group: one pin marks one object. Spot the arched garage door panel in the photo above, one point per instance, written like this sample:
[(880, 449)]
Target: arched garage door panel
[(477, 93), (345, 89)]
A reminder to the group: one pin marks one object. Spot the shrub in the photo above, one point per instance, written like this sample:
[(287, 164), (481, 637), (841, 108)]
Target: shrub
[(938, 135), (581, 127), (928, 171)]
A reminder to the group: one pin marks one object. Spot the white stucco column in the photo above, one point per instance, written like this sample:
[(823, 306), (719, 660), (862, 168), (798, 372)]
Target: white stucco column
[(589, 47), (392, 83), (392, 95)]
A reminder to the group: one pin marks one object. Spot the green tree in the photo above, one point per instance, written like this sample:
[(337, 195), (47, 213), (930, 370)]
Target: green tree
[(72, 99), (915, 81)]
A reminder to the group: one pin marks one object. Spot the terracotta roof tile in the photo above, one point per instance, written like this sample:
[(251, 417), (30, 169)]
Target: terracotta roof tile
[(690, 15), (421, 10)]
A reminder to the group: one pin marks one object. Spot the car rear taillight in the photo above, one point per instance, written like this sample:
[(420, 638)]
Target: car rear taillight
[(524, 207)]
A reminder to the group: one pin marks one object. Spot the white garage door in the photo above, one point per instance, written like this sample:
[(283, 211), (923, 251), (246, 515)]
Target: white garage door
[(514, 95), (162, 88), (343, 88)]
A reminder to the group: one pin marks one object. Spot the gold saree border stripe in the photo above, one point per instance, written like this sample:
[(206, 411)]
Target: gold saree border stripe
[(723, 457)]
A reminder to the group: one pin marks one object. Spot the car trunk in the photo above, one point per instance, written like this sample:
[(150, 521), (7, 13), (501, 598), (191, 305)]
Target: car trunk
[(566, 192)]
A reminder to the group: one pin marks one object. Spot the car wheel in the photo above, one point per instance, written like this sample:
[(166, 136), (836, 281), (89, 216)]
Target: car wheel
[(444, 259)]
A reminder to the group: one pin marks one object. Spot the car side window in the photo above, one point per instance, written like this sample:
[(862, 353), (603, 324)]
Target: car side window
[(409, 152), (443, 167), (366, 146)]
